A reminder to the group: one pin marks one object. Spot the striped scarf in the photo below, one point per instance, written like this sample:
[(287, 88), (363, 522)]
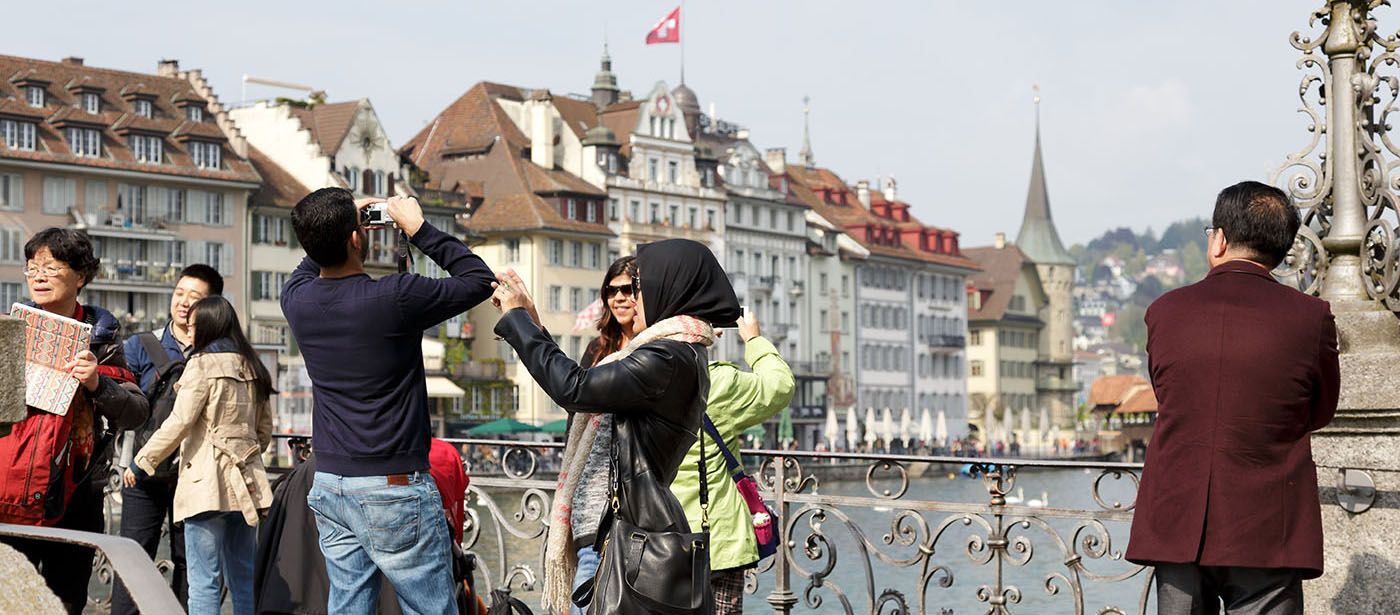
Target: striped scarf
[(561, 560)]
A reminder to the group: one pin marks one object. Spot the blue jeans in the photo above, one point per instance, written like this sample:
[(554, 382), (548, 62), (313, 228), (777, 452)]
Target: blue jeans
[(219, 551), (369, 527), (587, 567)]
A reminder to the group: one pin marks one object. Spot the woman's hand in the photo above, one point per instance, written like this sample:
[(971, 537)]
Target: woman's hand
[(84, 369), (129, 478), (510, 293)]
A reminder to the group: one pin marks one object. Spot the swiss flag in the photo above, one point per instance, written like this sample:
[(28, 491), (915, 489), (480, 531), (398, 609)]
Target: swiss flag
[(668, 30)]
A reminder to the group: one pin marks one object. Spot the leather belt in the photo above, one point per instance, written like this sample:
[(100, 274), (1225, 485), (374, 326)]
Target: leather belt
[(399, 479)]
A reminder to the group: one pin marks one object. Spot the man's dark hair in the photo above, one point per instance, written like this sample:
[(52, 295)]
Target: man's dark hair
[(72, 248), (1259, 218), (206, 274), (323, 221)]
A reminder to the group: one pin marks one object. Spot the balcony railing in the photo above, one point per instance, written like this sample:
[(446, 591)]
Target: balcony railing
[(473, 370), (1055, 383), (810, 368), (796, 287), (761, 282), (945, 342), (869, 533), (138, 272)]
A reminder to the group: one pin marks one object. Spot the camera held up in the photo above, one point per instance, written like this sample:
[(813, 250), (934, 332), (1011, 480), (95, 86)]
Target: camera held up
[(376, 215)]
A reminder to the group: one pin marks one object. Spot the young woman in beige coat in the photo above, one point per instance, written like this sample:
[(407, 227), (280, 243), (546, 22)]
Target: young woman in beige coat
[(221, 422)]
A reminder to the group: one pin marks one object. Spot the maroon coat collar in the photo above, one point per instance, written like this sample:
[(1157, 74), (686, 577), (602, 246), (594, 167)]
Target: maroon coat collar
[(1241, 266)]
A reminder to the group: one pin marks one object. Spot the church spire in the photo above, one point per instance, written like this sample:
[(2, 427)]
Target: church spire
[(1038, 238), (805, 155), (605, 91)]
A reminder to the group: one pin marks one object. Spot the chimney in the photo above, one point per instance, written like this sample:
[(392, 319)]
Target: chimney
[(776, 157), (863, 193), (168, 68), (889, 189), (541, 134), (73, 61), (1000, 241)]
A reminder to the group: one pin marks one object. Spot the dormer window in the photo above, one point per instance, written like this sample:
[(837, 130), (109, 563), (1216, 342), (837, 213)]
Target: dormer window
[(147, 148), (144, 108), (92, 103), (206, 154), (194, 113), (34, 95), (85, 142), (18, 135)]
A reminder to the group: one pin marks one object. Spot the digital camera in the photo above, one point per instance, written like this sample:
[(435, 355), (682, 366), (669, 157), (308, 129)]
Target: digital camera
[(376, 216)]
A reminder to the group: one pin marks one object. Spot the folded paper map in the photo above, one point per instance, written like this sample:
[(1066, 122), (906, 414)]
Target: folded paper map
[(50, 342)]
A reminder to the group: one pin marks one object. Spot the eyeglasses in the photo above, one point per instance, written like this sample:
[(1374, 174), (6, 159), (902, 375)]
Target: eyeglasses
[(47, 271), (609, 291), (1208, 231)]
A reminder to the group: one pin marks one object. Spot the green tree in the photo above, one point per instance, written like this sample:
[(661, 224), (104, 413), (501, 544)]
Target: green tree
[(1128, 326), (1193, 262)]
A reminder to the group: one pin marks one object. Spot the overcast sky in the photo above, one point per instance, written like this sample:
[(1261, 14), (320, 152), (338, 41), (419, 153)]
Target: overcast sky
[(1149, 108)]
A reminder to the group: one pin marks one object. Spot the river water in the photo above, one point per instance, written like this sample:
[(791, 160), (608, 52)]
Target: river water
[(1050, 547)]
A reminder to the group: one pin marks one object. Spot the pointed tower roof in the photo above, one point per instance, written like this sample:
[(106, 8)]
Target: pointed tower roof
[(1038, 238), (805, 155), (605, 90)]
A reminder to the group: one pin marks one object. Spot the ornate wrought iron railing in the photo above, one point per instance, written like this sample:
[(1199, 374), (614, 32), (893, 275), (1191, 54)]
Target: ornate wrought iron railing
[(870, 533)]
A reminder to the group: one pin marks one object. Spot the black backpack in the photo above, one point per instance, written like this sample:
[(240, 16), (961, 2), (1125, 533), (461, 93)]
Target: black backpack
[(162, 397)]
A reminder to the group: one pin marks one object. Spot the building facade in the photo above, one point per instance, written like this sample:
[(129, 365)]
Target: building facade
[(149, 165), (1006, 308)]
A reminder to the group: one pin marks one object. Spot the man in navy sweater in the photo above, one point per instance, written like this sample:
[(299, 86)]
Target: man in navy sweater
[(377, 508)]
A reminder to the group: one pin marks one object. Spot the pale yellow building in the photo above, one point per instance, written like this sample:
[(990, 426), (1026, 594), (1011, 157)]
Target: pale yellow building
[(1005, 313)]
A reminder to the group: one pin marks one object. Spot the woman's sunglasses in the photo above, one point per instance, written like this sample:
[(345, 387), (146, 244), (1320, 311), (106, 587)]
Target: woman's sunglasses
[(609, 291)]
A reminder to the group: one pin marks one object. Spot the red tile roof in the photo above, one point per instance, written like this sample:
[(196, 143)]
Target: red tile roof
[(812, 185), (328, 123), (279, 188), (116, 118), (472, 123), (1000, 270), (1124, 394)]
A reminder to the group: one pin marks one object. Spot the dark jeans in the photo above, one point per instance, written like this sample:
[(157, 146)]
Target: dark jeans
[(145, 509), (1191, 589), (67, 568)]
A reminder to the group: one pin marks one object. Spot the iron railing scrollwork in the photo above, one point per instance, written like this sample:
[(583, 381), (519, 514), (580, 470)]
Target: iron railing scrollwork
[(852, 529)]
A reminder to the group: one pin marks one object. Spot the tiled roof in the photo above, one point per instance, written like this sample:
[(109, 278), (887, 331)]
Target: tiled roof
[(578, 115), (472, 123), (1001, 267), (1124, 392), (117, 118), (621, 118), (279, 188), (807, 182), (328, 123)]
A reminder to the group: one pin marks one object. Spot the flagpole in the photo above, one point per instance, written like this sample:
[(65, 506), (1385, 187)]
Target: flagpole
[(682, 35)]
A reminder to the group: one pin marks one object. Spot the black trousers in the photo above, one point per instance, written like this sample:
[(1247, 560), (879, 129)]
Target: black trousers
[(67, 568), (1192, 589), (145, 509)]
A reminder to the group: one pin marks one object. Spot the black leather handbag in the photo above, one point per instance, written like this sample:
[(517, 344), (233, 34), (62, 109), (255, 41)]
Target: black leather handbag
[(651, 562)]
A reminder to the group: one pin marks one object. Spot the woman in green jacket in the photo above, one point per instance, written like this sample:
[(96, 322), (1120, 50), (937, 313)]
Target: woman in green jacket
[(738, 400)]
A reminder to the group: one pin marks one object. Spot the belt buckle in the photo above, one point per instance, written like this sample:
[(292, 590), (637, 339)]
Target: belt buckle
[(398, 479)]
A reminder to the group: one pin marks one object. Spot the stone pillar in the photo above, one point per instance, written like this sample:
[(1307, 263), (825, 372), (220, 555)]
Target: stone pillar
[(1361, 544), (1361, 551), (12, 407)]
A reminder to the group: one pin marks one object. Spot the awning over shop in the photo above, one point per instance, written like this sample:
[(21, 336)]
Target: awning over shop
[(443, 388)]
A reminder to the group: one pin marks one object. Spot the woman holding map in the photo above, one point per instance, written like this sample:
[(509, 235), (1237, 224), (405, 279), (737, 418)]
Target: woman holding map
[(57, 459)]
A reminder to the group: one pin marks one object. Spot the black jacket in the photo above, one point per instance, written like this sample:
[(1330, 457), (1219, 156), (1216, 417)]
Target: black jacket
[(657, 395)]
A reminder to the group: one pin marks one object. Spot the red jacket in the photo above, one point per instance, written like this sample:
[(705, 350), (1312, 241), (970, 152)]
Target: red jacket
[(445, 464), (1244, 369)]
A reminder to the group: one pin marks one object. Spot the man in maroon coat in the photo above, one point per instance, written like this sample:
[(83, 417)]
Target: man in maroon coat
[(1244, 369)]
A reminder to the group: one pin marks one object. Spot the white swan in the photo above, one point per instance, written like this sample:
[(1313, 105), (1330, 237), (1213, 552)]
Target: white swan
[(1040, 503), (1018, 498)]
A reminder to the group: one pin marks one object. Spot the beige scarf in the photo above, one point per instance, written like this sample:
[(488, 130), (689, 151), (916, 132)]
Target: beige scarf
[(561, 560)]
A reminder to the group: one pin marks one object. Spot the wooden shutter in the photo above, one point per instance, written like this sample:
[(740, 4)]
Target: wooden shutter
[(366, 181), (389, 185), (255, 290), (256, 232), (225, 264)]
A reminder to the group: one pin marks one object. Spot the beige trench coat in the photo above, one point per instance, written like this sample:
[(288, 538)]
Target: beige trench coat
[(221, 430)]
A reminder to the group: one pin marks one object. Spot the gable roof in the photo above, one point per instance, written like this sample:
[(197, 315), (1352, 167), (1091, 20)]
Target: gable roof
[(65, 82), (472, 123), (1000, 270), (1123, 393), (328, 123)]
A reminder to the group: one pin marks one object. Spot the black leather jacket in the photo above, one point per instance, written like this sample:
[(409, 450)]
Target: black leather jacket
[(657, 394)]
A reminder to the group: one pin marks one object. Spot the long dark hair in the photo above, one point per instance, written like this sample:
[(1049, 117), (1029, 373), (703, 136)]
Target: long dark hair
[(609, 330), (215, 319)]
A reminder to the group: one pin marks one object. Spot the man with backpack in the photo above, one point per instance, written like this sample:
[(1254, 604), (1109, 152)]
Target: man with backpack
[(157, 358)]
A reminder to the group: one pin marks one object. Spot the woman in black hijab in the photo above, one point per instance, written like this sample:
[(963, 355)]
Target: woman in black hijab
[(655, 388)]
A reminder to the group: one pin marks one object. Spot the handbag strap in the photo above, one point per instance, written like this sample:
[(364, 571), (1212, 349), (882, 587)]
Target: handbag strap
[(729, 460)]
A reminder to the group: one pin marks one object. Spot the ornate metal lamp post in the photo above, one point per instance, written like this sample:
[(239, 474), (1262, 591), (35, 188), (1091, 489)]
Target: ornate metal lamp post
[(1347, 181)]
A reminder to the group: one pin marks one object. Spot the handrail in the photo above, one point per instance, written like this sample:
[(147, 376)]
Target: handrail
[(149, 590)]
